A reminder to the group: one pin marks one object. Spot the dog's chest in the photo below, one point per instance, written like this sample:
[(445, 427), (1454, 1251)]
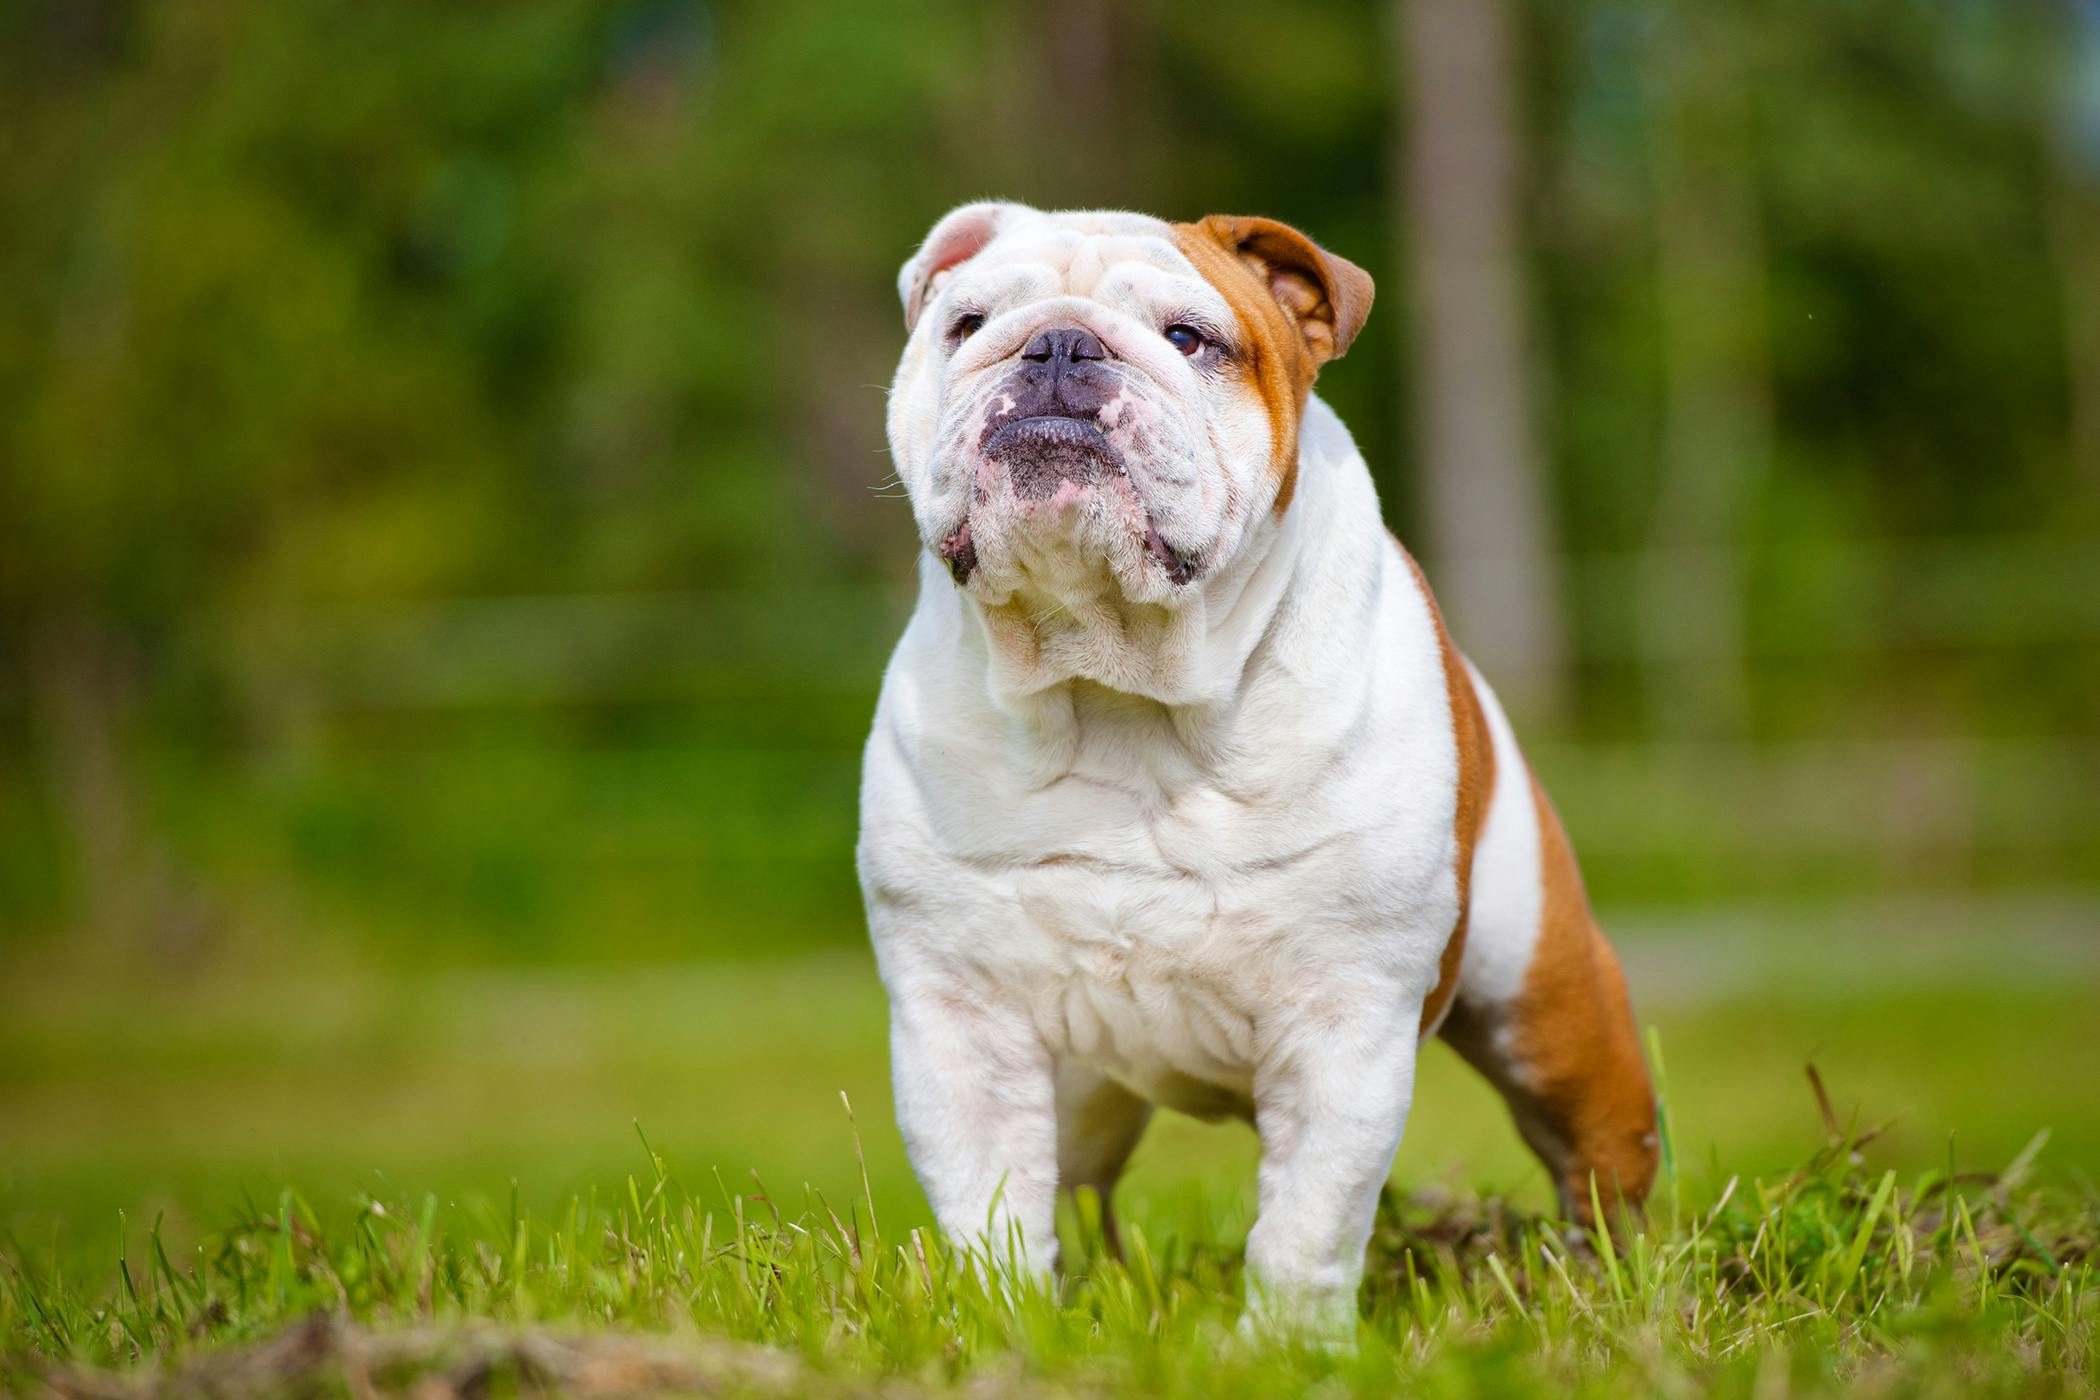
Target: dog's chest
[(1160, 906)]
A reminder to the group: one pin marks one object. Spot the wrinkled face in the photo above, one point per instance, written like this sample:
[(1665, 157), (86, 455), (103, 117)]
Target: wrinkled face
[(1103, 405)]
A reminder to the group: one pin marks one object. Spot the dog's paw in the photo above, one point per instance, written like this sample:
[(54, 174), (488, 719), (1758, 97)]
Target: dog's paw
[(1321, 1319)]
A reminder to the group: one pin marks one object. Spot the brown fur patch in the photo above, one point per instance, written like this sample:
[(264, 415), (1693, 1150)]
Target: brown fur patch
[(1564, 1053), (1574, 1037), (1297, 307), (1476, 783)]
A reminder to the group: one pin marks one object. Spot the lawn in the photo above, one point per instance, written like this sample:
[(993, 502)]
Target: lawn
[(326, 1173)]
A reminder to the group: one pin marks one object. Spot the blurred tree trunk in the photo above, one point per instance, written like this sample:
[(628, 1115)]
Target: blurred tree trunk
[(1483, 480), (2075, 239), (1071, 99), (1716, 430), (130, 898), (2073, 198), (78, 692)]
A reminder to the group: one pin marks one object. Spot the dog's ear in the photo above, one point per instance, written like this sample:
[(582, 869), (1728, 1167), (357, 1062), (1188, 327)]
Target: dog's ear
[(1325, 296), (960, 236)]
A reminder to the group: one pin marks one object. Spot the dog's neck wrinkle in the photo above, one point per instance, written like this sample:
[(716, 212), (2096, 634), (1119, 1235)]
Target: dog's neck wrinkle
[(1324, 560), (1194, 729), (1189, 658)]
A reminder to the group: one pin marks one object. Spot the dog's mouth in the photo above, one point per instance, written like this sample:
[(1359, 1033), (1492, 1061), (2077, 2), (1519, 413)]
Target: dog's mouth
[(1181, 568), (1051, 461), (1043, 453), (958, 550)]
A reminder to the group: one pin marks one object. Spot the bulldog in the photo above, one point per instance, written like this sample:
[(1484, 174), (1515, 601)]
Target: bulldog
[(1178, 792)]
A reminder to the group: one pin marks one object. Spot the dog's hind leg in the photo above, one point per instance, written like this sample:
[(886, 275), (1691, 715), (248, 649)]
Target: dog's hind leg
[(1098, 1126), (1541, 1008)]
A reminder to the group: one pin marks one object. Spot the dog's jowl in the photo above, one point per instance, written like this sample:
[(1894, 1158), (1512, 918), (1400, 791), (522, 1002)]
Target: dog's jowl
[(1178, 792)]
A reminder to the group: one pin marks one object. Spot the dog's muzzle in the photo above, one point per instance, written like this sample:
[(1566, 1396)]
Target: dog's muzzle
[(1049, 430)]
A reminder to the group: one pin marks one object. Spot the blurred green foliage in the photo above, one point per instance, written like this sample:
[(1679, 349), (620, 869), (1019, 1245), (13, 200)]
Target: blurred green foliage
[(438, 444)]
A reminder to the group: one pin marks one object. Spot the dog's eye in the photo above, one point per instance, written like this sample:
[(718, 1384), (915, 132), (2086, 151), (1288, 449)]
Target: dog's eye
[(1187, 339), (966, 325)]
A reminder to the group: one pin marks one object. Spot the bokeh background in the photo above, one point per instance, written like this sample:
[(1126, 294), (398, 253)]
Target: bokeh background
[(446, 565)]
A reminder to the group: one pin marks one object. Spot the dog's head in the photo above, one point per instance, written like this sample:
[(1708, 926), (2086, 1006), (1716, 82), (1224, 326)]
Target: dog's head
[(1104, 407)]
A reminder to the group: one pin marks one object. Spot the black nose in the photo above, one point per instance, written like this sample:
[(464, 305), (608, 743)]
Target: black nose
[(1068, 346)]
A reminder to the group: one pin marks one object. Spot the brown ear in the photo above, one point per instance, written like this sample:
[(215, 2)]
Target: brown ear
[(960, 236), (1326, 297)]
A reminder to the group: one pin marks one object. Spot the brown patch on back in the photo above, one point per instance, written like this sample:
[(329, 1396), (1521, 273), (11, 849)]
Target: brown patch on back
[(1563, 1052), (1574, 1037), (1476, 783), (1297, 305)]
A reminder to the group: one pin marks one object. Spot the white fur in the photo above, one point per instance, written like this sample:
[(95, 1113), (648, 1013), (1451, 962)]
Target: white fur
[(1195, 848), (1502, 927)]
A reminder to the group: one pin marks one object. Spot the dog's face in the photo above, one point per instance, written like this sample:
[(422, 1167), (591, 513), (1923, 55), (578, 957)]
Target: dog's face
[(1104, 407)]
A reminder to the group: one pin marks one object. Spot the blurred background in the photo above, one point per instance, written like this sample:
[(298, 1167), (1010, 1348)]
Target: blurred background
[(443, 580)]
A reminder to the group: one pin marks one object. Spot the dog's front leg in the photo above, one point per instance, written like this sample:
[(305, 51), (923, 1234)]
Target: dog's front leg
[(977, 1104), (1330, 1108)]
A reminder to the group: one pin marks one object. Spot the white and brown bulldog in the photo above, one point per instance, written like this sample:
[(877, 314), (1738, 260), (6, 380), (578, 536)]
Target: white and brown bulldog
[(1178, 793)]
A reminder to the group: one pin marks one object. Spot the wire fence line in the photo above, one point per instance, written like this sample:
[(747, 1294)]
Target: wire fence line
[(1874, 597), (1918, 797), (664, 771)]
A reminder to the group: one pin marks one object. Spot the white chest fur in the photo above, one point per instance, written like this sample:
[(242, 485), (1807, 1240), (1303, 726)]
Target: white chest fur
[(1170, 893)]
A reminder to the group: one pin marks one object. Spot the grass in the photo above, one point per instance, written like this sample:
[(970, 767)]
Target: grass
[(328, 1178), (1841, 1276)]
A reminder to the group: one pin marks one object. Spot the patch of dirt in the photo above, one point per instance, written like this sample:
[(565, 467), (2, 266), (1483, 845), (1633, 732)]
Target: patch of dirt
[(324, 1356)]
